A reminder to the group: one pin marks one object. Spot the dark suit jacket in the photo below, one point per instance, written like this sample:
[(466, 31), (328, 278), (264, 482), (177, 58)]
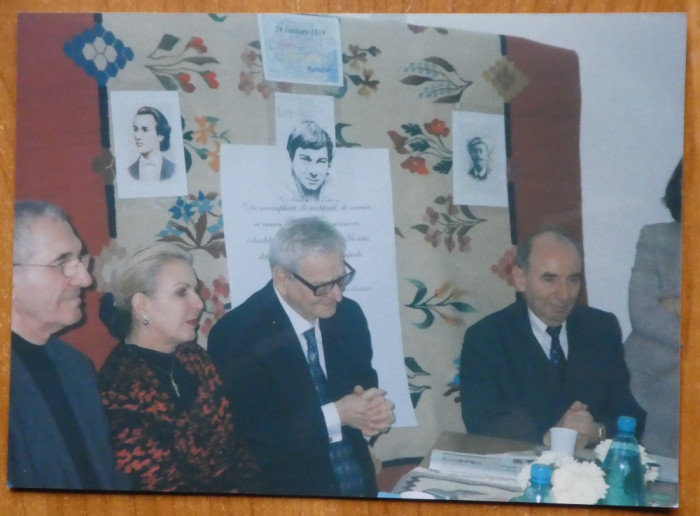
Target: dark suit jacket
[(506, 385), (274, 402), (167, 169), (37, 454)]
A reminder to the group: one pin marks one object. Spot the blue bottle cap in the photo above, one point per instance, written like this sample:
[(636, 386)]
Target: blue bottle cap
[(541, 473), (626, 424)]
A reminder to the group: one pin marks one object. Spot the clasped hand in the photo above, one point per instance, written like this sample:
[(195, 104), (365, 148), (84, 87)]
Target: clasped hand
[(367, 410)]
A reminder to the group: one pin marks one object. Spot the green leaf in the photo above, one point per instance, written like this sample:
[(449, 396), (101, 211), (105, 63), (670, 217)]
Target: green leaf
[(419, 145), (168, 42), (428, 321), (200, 60), (444, 166), (461, 307), (415, 80), (468, 213), (412, 129), (450, 99), (440, 62), (356, 79), (416, 392), (423, 228), (440, 199), (413, 366), (255, 45), (421, 291), (168, 82)]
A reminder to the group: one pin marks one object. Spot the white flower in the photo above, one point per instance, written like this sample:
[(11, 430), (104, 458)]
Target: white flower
[(601, 450), (549, 458), (651, 470), (578, 483)]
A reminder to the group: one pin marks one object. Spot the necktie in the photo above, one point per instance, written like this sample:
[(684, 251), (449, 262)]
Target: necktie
[(345, 466), (317, 374), (556, 354)]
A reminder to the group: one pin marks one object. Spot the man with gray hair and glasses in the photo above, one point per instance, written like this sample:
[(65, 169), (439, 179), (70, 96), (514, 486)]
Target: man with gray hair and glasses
[(295, 360), (58, 434)]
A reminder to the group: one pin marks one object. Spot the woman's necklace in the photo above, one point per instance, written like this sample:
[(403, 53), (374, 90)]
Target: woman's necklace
[(170, 374), (151, 363)]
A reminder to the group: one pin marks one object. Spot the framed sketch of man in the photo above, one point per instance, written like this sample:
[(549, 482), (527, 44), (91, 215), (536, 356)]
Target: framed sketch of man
[(147, 138), (479, 171)]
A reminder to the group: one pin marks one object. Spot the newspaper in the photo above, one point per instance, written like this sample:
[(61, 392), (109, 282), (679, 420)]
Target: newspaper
[(494, 469)]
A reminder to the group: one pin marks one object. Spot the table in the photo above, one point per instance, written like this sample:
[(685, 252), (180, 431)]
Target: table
[(441, 486)]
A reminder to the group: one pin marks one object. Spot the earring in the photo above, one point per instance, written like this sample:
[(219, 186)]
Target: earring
[(145, 320)]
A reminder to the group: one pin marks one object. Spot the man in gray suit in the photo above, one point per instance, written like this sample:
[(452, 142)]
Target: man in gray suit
[(58, 434)]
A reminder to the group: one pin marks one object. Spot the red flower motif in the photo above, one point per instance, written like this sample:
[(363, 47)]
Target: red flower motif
[(464, 243), (265, 89), (437, 128), (415, 165), (210, 77), (184, 80), (204, 292), (431, 216), (504, 267), (451, 208), (249, 57), (205, 328), (399, 142), (219, 309), (197, 43), (433, 237), (449, 243), (246, 83), (221, 287)]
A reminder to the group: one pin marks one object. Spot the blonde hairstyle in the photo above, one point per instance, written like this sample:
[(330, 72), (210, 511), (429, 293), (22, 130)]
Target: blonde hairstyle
[(138, 274)]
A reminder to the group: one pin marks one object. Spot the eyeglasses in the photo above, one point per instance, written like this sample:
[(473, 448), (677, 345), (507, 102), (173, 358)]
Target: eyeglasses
[(325, 288), (68, 268)]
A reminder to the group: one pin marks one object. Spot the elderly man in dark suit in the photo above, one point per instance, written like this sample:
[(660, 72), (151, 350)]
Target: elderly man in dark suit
[(545, 361), (58, 433), (295, 361)]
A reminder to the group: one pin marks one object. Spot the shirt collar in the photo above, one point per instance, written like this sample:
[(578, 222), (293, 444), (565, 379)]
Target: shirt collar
[(299, 324)]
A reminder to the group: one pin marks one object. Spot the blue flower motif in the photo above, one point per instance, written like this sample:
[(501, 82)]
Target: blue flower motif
[(99, 53), (182, 210)]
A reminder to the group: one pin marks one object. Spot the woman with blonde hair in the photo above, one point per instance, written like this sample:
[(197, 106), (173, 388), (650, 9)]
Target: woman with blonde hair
[(171, 426)]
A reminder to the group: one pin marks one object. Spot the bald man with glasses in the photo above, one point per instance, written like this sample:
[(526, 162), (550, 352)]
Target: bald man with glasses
[(58, 434), (295, 360)]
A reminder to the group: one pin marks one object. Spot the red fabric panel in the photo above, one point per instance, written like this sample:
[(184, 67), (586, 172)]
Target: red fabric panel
[(545, 164), (545, 133), (58, 134)]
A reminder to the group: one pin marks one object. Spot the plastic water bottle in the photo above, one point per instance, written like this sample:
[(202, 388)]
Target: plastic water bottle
[(623, 468), (538, 489)]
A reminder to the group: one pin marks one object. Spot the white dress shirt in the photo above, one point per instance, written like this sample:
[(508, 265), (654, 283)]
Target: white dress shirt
[(301, 325)]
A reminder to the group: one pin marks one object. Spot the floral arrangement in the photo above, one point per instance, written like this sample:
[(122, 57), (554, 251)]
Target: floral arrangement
[(582, 482), (573, 481)]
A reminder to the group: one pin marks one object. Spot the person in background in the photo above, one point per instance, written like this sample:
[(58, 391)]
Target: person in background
[(295, 359), (545, 361), (653, 347), (170, 424), (58, 433)]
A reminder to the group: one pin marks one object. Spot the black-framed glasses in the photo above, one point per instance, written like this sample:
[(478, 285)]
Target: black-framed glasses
[(325, 288), (68, 268)]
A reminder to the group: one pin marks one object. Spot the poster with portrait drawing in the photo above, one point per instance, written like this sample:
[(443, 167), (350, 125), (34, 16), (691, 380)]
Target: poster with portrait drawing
[(304, 130), (148, 144), (479, 148)]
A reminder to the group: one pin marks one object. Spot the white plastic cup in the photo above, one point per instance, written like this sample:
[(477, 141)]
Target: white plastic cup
[(563, 440)]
